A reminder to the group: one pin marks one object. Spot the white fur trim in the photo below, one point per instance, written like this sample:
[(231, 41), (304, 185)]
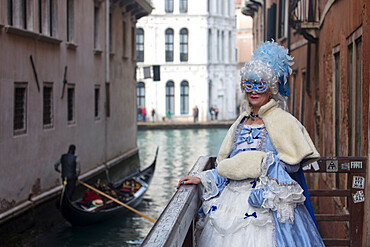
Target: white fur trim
[(244, 165), (289, 137)]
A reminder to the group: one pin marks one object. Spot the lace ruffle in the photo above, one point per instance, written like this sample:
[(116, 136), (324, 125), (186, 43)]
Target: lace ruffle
[(282, 198), (240, 185), (209, 186)]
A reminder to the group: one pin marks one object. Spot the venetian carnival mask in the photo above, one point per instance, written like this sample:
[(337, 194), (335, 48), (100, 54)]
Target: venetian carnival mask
[(258, 86)]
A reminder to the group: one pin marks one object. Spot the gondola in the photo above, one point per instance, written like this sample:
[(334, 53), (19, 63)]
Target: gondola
[(129, 190)]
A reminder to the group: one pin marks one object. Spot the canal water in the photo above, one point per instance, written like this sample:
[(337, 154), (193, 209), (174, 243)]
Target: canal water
[(178, 152)]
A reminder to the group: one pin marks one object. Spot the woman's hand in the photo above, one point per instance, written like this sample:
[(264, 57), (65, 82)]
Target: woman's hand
[(189, 180)]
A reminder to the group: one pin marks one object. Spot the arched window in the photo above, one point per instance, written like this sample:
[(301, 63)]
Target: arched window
[(170, 97), (140, 45), (140, 94), (183, 6), (184, 97), (183, 45), (168, 6), (169, 44)]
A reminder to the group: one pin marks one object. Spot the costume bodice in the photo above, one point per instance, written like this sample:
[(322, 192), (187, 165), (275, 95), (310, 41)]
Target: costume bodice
[(249, 137)]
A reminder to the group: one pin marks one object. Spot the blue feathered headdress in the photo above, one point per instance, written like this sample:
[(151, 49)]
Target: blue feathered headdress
[(270, 62)]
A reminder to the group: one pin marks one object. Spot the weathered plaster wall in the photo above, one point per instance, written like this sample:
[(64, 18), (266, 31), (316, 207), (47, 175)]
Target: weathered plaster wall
[(27, 160)]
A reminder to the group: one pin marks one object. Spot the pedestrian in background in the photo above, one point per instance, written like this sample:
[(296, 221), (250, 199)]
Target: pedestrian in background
[(143, 113), (138, 113), (168, 114), (195, 113), (216, 112), (212, 112), (70, 169), (153, 114)]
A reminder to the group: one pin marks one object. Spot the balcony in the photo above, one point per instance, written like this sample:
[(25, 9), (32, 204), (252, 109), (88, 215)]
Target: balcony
[(137, 8), (304, 18), (251, 6)]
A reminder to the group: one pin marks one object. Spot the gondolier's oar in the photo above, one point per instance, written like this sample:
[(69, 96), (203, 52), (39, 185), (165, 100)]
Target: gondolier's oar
[(117, 201), (61, 197)]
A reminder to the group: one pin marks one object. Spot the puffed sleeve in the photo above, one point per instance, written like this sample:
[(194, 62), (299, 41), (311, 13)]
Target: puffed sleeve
[(281, 193), (256, 198), (212, 183)]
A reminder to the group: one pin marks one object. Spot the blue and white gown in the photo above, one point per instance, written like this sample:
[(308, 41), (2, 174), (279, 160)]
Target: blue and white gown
[(267, 211)]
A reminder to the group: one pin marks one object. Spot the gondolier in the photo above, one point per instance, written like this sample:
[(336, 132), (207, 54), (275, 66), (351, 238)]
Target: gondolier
[(70, 169)]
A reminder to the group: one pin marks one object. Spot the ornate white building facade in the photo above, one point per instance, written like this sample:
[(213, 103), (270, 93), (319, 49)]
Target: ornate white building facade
[(193, 43)]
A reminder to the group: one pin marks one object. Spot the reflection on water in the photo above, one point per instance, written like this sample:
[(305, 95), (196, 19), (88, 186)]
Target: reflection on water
[(178, 152)]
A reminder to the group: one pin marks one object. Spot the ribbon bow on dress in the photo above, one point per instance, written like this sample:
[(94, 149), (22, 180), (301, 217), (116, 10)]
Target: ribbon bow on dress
[(254, 132)]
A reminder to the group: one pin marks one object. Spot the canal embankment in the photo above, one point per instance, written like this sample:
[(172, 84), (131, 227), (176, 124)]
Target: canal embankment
[(183, 125)]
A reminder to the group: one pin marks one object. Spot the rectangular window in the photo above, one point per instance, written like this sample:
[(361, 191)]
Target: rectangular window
[(222, 46), (107, 100), (140, 94), (210, 45), (282, 19), (110, 33), (183, 6), (359, 117), (70, 20), (218, 45), (169, 6), (124, 36), (10, 12), (301, 11), (350, 97), (71, 104), (271, 21), (96, 28), (47, 116), (230, 47), (354, 83), (170, 97), (48, 17), (140, 45), (184, 97), (20, 108), (23, 13), (97, 102), (52, 19), (337, 101), (184, 40), (169, 45), (225, 7), (133, 43), (40, 16), (20, 13)]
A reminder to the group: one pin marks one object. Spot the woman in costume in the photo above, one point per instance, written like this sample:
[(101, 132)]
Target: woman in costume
[(257, 195)]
